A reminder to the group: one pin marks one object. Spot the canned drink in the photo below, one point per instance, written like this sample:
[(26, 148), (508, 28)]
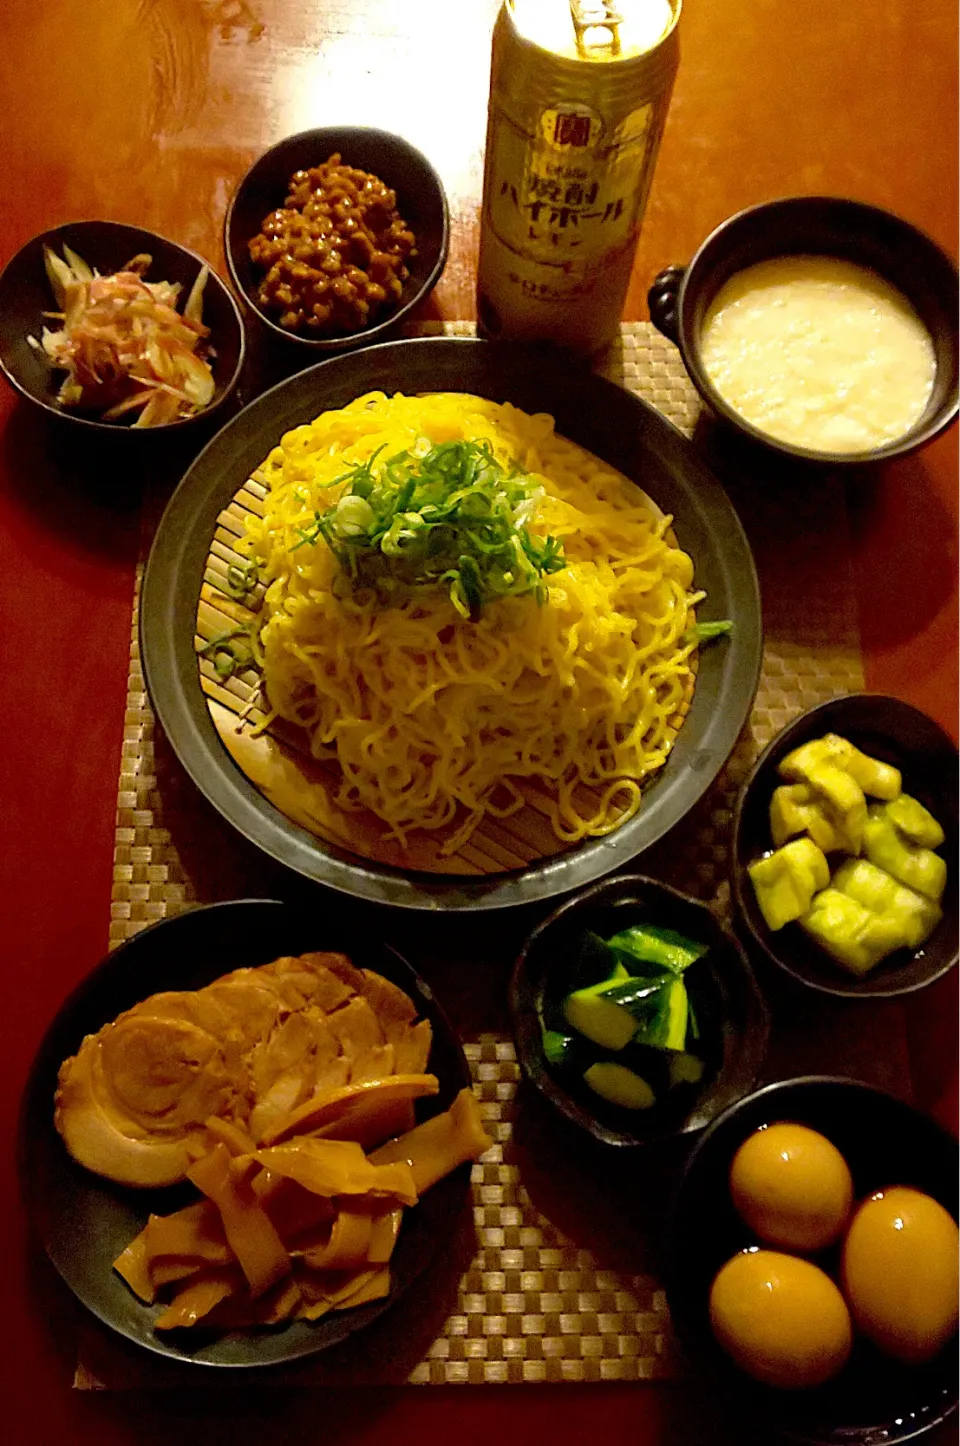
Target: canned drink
[(579, 91)]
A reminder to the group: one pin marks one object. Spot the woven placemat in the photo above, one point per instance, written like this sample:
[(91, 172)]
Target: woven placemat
[(547, 1283)]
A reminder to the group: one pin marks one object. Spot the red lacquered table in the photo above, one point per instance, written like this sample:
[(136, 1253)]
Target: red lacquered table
[(149, 111)]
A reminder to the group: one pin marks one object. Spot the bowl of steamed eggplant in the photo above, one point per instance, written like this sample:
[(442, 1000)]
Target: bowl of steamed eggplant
[(635, 1012), (844, 849)]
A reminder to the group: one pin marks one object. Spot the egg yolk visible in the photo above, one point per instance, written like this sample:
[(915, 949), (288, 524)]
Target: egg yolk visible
[(900, 1273), (780, 1318), (792, 1187)]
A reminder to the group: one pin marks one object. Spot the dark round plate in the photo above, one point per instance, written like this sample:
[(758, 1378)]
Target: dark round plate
[(84, 1222), (606, 419)]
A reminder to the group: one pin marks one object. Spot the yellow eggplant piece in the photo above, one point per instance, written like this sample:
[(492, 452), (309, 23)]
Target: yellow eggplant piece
[(778, 898), (439, 1145), (875, 778), (915, 822), (327, 1107), (880, 892), (852, 934), (880, 780), (795, 810), (786, 881), (844, 800), (250, 1232), (919, 868), (339, 1167), (806, 864), (829, 749), (822, 764)]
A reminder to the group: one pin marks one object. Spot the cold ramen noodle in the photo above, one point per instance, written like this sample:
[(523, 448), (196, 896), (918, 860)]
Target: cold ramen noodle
[(461, 605)]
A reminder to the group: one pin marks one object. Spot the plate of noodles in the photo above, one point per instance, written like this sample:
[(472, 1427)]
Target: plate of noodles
[(429, 624)]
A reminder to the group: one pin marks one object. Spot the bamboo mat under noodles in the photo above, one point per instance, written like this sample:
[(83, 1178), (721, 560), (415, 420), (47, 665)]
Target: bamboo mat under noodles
[(554, 1278)]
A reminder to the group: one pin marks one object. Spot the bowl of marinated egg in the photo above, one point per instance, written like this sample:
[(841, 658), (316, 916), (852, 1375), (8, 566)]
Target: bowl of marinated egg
[(844, 849), (822, 329), (334, 235), (635, 1012), (812, 1264)]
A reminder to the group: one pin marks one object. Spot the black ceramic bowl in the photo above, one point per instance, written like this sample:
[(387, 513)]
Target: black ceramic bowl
[(83, 1220), (728, 1002), (420, 201), (885, 1142), (896, 733), (107, 245), (818, 226)]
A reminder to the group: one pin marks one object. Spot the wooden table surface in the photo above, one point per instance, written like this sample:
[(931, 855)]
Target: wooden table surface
[(149, 111)]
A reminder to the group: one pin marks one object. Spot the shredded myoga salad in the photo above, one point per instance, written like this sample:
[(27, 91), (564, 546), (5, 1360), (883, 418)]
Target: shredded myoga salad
[(459, 600)]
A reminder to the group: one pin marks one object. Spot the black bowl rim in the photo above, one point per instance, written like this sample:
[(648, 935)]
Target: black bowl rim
[(112, 429), (673, 1246), (194, 738), (545, 1083), (842, 989), (333, 344), (918, 436)]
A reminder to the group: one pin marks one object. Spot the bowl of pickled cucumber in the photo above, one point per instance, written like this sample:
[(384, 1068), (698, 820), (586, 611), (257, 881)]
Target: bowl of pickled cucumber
[(844, 856), (636, 1013)]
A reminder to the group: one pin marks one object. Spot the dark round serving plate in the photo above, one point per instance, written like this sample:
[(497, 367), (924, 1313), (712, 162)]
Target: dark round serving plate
[(600, 416), (84, 1222)]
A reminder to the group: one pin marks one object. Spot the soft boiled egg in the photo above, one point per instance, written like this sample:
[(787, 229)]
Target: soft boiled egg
[(792, 1187), (781, 1318), (900, 1273)]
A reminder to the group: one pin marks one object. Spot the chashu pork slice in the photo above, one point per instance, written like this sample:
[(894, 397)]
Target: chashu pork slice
[(131, 1103), (249, 1050), (309, 981), (362, 1041), (301, 1056)]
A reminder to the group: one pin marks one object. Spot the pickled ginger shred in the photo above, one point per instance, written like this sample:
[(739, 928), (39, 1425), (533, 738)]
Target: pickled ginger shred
[(123, 344)]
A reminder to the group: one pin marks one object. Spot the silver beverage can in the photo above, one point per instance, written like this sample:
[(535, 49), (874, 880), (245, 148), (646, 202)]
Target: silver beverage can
[(579, 91)]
